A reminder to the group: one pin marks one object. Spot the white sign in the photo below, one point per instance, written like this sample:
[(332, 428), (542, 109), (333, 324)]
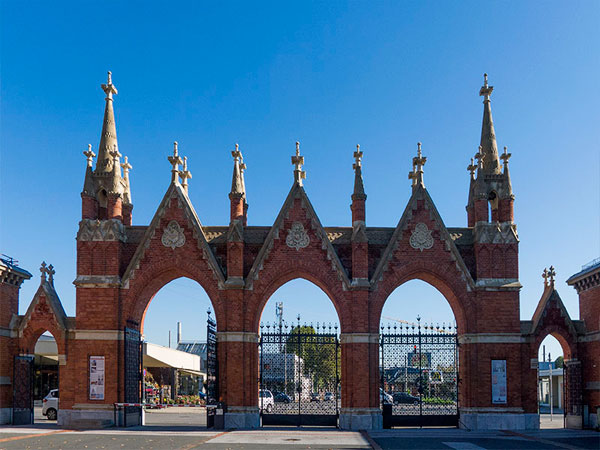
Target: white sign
[(498, 381), (96, 377)]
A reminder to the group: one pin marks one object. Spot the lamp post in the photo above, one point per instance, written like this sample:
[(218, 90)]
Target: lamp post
[(550, 376)]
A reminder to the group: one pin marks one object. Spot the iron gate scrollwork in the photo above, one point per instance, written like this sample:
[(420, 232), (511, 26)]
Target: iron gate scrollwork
[(212, 365), (299, 375), (133, 349), (419, 374), (23, 390)]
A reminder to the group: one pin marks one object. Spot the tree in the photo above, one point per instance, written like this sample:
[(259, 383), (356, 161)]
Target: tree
[(559, 362), (318, 355)]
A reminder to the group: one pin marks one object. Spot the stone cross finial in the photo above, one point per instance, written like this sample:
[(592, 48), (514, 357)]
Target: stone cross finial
[(51, 273), (44, 271), (90, 155), (412, 175), (126, 167), (175, 161), (486, 90), (545, 276), (185, 174), (109, 88), (115, 153), (472, 168), (479, 156), (418, 163), (505, 157), (551, 275), (237, 155), (357, 158), (298, 161)]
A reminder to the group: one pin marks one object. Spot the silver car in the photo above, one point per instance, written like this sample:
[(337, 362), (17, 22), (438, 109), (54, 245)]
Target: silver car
[(50, 405)]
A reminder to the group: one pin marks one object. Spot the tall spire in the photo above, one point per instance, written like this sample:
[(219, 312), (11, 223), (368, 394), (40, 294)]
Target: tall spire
[(359, 188), (489, 148), (108, 139), (237, 180)]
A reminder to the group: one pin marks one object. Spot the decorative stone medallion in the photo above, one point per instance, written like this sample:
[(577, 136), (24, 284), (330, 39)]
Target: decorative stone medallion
[(421, 237), (173, 235), (297, 237)]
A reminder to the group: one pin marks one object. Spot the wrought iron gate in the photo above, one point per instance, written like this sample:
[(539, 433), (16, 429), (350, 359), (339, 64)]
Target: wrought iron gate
[(212, 365), (299, 375), (419, 374), (133, 350), (23, 390)]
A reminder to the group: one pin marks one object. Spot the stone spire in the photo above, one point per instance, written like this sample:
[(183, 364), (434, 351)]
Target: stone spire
[(489, 148), (237, 180), (126, 189), (359, 188), (108, 139), (298, 161), (89, 187)]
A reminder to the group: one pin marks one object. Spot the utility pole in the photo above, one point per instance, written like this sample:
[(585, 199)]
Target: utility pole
[(550, 371)]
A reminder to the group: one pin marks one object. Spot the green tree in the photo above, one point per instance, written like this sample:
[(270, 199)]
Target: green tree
[(318, 354), (560, 362)]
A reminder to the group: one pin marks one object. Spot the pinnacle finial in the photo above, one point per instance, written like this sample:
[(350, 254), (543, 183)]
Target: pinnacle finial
[(90, 155), (358, 154), (185, 175), (298, 161), (126, 166), (551, 275), (44, 271), (115, 153), (480, 156), (417, 173), (51, 273), (545, 277), (109, 88), (472, 168), (505, 157), (486, 90), (175, 161)]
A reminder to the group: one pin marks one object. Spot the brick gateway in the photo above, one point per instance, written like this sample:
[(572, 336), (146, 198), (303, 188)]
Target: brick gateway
[(121, 266)]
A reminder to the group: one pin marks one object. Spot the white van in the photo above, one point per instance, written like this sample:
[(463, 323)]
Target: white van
[(50, 405), (266, 400)]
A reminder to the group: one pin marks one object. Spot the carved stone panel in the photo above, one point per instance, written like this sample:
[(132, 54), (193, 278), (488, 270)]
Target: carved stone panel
[(173, 235), (297, 237), (421, 237)]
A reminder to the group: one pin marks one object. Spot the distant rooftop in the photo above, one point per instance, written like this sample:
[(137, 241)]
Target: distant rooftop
[(586, 269), (194, 347)]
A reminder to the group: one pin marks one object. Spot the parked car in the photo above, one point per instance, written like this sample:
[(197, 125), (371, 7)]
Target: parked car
[(50, 405), (314, 397), (384, 397), (266, 400), (403, 397), (329, 397), (281, 397)]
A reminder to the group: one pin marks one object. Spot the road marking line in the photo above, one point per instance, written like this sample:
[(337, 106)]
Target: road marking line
[(374, 445), (463, 446), (543, 441), (217, 435), (27, 436)]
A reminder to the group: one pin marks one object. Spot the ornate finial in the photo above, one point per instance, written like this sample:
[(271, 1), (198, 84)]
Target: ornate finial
[(126, 167), (185, 175), (90, 155), (551, 274), (505, 157), (44, 271), (545, 277), (480, 156), (115, 153), (472, 168), (486, 90), (237, 155), (109, 88), (298, 161), (357, 158), (175, 161), (51, 273), (417, 173)]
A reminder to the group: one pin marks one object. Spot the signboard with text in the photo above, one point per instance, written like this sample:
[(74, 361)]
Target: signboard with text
[(96, 378), (498, 381)]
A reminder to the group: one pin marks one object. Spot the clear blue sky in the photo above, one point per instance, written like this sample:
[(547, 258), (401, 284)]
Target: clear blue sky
[(330, 74)]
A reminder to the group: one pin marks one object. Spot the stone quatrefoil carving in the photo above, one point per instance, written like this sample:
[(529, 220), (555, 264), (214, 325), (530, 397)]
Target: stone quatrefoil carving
[(421, 238), (173, 235), (297, 237)]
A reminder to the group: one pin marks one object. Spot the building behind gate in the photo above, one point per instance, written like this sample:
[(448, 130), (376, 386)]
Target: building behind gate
[(121, 266)]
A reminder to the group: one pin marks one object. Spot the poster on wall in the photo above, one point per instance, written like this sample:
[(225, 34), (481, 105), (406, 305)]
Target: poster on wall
[(498, 381), (96, 377)]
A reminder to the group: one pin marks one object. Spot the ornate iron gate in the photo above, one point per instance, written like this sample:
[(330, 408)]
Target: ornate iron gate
[(23, 390), (133, 352), (212, 365), (419, 374), (299, 375)]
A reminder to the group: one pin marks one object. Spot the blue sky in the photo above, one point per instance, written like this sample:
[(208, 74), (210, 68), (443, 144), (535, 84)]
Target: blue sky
[(330, 74)]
